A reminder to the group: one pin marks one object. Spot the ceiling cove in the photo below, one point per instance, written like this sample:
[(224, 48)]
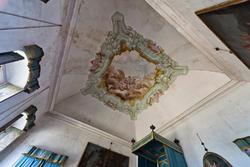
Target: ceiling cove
[(130, 72)]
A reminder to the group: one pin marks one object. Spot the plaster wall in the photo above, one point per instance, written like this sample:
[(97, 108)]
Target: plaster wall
[(218, 125), (16, 31), (63, 138)]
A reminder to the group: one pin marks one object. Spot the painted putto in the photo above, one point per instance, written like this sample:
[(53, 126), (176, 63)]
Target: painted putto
[(130, 72)]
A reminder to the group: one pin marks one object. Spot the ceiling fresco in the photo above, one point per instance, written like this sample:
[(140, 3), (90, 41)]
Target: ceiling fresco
[(130, 72)]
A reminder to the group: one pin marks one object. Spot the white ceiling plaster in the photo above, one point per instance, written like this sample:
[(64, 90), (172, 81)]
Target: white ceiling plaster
[(94, 22), (184, 93), (89, 110)]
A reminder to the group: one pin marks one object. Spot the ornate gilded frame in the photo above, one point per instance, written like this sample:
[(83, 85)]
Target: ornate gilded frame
[(243, 35), (220, 6)]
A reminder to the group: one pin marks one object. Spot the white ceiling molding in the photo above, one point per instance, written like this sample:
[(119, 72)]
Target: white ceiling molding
[(207, 101), (195, 37), (68, 27), (89, 128)]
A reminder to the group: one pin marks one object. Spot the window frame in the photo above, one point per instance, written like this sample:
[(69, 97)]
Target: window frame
[(7, 89), (18, 125), (9, 57)]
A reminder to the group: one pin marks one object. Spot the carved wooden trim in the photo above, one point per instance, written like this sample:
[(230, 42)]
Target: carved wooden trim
[(34, 55), (31, 117), (220, 6)]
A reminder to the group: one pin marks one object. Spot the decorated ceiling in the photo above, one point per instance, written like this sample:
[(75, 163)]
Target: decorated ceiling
[(130, 72)]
